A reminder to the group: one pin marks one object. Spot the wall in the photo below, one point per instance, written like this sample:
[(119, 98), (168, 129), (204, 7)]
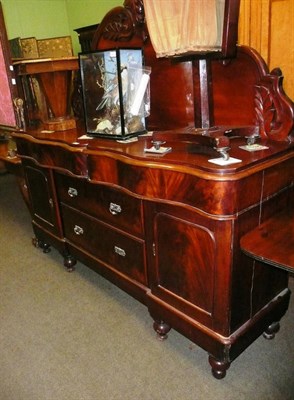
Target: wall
[(267, 26), (88, 12), (39, 18), (50, 18)]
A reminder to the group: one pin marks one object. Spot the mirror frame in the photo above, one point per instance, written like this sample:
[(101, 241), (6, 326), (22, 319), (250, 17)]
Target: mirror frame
[(230, 29)]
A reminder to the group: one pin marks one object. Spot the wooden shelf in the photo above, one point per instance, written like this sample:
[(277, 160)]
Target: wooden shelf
[(272, 242)]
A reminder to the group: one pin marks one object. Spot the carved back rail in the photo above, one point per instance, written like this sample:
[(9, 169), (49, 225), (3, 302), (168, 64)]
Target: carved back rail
[(244, 92)]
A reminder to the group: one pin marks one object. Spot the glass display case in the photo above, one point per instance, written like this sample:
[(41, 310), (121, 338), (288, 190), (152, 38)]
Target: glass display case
[(116, 96)]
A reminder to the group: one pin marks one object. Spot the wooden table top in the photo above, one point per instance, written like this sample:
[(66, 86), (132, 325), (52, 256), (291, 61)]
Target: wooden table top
[(273, 241)]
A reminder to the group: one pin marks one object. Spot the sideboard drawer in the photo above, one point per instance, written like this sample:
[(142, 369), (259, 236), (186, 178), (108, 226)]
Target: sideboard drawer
[(61, 156), (120, 251), (106, 203)]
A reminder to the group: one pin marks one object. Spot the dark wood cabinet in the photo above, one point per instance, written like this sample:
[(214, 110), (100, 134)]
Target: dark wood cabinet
[(167, 229), (85, 35), (42, 198)]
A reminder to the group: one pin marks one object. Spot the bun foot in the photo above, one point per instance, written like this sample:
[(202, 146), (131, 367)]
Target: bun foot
[(271, 331), (35, 242), (69, 263), (42, 245), (218, 368), (46, 247), (162, 329)]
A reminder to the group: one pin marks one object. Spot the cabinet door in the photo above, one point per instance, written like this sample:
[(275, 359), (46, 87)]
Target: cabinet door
[(190, 263), (42, 198)]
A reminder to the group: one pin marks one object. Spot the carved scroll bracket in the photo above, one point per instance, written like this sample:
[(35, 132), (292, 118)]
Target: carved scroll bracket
[(122, 23), (274, 110)]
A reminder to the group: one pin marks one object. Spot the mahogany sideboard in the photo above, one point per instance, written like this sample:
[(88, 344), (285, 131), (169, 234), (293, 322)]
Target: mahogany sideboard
[(166, 228), (176, 231)]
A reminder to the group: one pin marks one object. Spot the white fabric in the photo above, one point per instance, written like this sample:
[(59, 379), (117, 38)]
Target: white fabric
[(183, 26)]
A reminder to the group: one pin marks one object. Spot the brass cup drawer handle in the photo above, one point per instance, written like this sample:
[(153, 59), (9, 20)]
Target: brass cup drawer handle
[(78, 230), (118, 250), (72, 192), (114, 208)]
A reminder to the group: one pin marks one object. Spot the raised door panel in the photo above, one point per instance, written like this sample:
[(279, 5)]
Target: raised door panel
[(186, 259), (184, 266), (42, 199), (189, 265)]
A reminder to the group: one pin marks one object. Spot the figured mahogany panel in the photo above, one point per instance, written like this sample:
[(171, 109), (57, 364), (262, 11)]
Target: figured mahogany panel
[(106, 203), (161, 184), (53, 155), (185, 267), (56, 87), (224, 197), (253, 97), (191, 263), (172, 99), (182, 176), (234, 89), (122, 252)]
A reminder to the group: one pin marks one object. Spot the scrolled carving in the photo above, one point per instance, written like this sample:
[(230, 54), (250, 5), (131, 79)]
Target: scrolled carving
[(121, 23), (274, 110), (265, 110), (137, 9), (120, 28)]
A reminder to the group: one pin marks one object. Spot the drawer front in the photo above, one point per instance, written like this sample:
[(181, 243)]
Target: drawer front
[(122, 252), (54, 156), (108, 204)]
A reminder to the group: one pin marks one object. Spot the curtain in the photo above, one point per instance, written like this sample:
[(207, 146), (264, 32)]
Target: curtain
[(183, 26)]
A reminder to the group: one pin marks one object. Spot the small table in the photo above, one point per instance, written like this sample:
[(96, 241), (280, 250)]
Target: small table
[(273, 241)]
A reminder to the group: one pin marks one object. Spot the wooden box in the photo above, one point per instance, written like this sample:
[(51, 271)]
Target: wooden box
[(57, 47), (29, 47), (15, 48)]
